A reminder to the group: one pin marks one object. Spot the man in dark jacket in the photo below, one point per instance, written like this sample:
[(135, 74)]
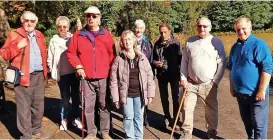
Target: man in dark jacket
[(167, 55)]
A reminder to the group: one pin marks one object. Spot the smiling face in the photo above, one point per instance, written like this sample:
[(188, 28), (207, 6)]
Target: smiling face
[(139, 30), (93, 19), (203, 27), (63, 27), (243, 28), (29, 22), (128, 41)]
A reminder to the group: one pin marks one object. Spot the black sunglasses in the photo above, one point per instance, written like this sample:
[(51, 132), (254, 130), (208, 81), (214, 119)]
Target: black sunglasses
[(92, 15)]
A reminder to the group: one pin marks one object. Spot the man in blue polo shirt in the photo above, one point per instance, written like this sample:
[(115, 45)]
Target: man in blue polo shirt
[(251, 68)]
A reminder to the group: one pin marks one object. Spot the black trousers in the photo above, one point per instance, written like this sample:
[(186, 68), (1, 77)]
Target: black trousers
[(163, 89), (2, 95)]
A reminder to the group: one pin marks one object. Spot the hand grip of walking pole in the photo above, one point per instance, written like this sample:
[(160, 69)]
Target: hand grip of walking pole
[(82, 104), (179, 109)]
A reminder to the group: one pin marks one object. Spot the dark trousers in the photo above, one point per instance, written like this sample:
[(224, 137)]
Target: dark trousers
[(254, 115), (69, 87), (163, 89), (30, 105), (2, 95), (96, 89)]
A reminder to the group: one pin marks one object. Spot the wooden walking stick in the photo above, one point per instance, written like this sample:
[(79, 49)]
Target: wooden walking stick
[(178, 113), (82, 104)]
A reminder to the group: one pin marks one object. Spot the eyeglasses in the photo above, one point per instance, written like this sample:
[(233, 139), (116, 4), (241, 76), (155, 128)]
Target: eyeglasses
[(62, 26), (204, 26), (92, 15), (28, 20)]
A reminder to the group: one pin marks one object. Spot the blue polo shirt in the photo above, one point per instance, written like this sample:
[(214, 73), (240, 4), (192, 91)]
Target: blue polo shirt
[(247, 61)]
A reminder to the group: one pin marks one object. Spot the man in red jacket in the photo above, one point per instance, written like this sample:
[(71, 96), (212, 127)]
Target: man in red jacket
[(91, 53), (26, 49)]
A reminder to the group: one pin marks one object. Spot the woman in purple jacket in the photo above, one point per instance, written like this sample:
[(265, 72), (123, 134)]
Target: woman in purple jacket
[(132, 84)]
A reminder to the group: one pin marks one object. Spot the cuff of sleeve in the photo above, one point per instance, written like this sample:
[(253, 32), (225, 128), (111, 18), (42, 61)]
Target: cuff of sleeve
[(216, 81), (183, 78)]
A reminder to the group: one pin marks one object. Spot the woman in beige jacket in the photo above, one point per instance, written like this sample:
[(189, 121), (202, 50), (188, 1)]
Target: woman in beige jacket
[(132, 84)]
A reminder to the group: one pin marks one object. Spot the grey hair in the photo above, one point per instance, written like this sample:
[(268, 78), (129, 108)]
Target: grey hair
[(28, 12), (204, 18), (140, 22), (62, 18), (242, 18)]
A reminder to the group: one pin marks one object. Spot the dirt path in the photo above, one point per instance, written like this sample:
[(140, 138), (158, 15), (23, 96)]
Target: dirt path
[(230, 124)]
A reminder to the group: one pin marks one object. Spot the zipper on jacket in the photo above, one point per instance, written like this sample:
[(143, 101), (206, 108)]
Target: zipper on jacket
[(142, 91), (128, 70)]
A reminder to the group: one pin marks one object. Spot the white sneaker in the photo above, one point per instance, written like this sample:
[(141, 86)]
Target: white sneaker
[(77, 123), (63, 125)]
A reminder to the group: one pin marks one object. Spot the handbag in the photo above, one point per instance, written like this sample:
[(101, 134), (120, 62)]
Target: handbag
[(13, 74)]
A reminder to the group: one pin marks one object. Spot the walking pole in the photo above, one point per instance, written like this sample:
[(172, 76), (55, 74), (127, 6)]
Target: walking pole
[(180, 106), (82, 104)]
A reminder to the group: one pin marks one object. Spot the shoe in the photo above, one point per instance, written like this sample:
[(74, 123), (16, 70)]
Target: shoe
[(185, 134), (63, 125), (90, 137), (77, 123), (177, 128), (40, 135), (106, 137), (212, 134), (168, 122), (23, 138)]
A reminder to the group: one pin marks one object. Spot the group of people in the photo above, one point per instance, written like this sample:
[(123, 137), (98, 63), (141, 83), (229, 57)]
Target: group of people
[(90, 55)]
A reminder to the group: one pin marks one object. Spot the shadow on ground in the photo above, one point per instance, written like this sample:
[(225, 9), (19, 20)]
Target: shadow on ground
[(8, 118)]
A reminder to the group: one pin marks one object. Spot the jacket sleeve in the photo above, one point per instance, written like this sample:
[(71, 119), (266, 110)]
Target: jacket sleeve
[(72, 51), (114, 80), (263, 57), (111, 49), (44, 54), (10, 49), (150, 78), (50, 53), (221, 60), (184, 65)]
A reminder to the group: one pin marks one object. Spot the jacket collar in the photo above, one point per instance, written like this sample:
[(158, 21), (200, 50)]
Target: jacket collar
[(247, 40), (145, 39), (84, 31), (170, 41), (21, 31), (122, 55)]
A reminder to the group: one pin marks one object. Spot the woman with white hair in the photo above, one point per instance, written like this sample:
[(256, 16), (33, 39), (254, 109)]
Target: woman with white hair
[(146, 47), (62, 71)]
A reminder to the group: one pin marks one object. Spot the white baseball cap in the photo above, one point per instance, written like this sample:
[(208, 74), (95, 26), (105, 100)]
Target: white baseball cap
[(92, 10)]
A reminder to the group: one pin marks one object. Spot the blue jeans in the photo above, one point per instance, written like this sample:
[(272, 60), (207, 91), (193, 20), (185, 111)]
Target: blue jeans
[(69, 87), (133, 118), (254, 115)]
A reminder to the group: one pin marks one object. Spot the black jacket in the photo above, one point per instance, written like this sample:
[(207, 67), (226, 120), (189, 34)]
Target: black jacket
[(171, 54)]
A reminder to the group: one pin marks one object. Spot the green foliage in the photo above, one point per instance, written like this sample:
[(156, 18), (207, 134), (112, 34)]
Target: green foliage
[(120, 15)]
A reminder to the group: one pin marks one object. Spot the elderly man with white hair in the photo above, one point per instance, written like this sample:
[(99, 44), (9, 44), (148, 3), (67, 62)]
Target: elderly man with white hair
[(147, 48), (202, 68), (91, 53), (25, 47)]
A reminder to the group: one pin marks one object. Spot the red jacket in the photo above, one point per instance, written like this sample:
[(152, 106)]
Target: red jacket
[(96, 59), (11, 52)]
